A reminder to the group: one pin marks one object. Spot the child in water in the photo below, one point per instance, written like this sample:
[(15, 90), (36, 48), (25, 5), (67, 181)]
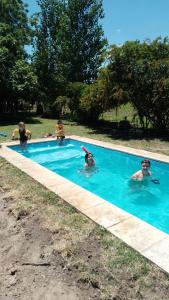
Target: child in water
[(60, 133), (144, 172), (89, 161), (24, 134)]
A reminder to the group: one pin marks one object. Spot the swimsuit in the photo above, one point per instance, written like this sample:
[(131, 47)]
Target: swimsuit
[(23, 137)]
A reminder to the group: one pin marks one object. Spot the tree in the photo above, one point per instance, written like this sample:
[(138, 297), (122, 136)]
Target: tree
[(151, 94), (49, 68), (68, 47), (91, 102), (14, 35), (74, 92), (141, 72), (24, 82), (83, 39)]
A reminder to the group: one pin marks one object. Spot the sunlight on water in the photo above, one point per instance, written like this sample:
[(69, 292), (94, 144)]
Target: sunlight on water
[(111, 179)]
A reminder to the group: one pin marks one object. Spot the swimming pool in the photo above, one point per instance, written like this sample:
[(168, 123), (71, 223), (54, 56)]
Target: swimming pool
[(145, 200)]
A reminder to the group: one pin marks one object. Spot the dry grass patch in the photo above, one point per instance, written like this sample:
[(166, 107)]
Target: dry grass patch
[(89, 254)]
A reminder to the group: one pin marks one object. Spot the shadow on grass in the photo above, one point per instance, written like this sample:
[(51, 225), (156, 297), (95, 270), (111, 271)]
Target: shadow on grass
[(111, 129), (13, 119)]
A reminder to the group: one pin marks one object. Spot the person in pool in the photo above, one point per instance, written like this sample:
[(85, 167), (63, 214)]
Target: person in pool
[(144, 172), (24, 134), (89, 161)]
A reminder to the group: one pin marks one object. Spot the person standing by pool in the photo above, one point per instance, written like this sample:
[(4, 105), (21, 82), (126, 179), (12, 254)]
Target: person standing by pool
[(24, 134), (60, 133), (144, 172)]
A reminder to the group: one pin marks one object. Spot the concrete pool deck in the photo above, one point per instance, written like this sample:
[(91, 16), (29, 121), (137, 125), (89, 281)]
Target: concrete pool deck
[(146, 239)]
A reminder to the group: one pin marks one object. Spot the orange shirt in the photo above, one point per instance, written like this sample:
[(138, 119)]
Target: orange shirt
[(60, 130)]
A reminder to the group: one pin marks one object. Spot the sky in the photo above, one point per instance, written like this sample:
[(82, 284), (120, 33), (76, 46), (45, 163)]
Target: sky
[(127, 20)]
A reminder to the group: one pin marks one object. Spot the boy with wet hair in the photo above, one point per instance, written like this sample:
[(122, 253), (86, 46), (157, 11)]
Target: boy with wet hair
[(144, 172)]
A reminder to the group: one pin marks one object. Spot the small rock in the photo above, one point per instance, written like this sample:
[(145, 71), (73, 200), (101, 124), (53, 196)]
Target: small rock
[(13, 272), (22, 213), (12, 281)]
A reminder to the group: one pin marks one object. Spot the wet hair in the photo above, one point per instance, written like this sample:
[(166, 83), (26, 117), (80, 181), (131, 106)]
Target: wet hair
[(145, 161), (87, 155)]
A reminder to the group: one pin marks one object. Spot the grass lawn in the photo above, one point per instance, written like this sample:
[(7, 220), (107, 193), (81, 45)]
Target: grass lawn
[(103, 130), (117, 271), (88, 253)]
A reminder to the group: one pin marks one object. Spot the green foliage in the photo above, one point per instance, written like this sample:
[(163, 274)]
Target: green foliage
[(14, 35), (139, 72), (68, 48), (83, 39), (100, 97), (49, 69), (24, 81), (91, 105), (59, 107), (152, 86), (74, 92)]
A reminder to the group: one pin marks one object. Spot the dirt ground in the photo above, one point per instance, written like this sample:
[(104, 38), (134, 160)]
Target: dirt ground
[(28, 269), (49, 251)]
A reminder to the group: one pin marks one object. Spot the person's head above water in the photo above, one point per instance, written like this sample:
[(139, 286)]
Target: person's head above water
[(88, 156), (145, 164), (144, 172), (89, 161)]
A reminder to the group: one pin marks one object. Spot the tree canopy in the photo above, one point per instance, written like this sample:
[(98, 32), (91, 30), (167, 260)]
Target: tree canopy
[(139, 73), (84, 40), (68, 46), (15, 33)]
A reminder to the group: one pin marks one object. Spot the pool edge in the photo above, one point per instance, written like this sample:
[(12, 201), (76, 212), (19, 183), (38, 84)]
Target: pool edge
[(143, 237)]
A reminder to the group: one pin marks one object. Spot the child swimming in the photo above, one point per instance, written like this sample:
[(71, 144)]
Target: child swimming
[(89, 161), (144, 172)]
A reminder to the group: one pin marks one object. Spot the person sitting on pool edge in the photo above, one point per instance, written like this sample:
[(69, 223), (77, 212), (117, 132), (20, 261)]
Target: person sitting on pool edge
[(60, 132), (144, 172), (89, 161), (24, 134)]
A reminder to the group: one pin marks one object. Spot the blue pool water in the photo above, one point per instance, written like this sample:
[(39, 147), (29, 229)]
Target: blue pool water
[(111, 181)]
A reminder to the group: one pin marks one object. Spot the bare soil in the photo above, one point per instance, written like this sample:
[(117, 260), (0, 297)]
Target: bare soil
[(49, 251), (28, 269)]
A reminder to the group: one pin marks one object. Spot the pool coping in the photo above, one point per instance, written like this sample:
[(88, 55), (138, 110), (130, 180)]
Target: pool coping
[(143, 237)]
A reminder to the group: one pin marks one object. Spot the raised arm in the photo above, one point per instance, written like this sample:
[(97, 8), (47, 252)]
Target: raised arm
[(14, 132), (136, 175)]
